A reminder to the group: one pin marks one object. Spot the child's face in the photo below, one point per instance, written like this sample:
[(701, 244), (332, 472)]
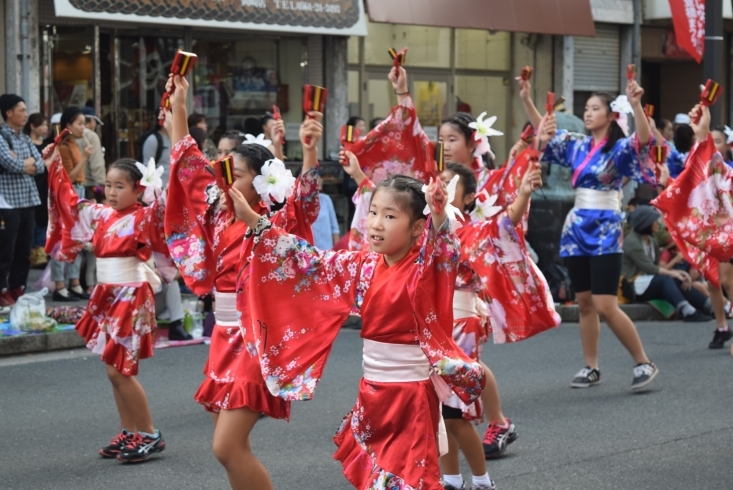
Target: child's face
[(120, 192), (455, 147), (721, 143), (461, 199), (244, 177), (390, 229)]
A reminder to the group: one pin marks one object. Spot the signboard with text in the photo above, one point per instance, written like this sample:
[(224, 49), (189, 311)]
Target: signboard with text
[(336, 17)]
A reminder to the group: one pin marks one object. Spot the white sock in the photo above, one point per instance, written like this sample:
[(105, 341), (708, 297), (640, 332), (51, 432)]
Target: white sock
[(152, 436), (63, 292), (77, 289), (686, 309), (453, 480), (482, 480)]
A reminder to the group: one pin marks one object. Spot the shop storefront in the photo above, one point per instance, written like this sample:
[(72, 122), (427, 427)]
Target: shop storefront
[(252, 54)]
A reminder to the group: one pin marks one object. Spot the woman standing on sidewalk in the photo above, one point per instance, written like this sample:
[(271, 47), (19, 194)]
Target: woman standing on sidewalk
[(592, 237)]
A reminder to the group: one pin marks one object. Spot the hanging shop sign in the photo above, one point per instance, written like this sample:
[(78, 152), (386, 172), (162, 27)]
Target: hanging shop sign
[(336, 17)]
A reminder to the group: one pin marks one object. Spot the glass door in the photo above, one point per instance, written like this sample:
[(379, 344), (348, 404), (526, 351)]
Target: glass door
[(431, 95), (142, 67)]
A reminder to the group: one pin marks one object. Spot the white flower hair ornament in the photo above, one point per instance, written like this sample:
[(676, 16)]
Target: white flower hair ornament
[(621, 107), (728, 135), (151, 180), (452, 213), (481, 131), (484, 206), (259, 140), (276, 182)]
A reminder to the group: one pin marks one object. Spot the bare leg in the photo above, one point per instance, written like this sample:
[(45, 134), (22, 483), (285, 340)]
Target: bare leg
[(621, 325), (718, 302), (128, 423), (233, 449), (590, 328), (449, 463), (133, 397), (470, 443), (214, 418), (490, 400)]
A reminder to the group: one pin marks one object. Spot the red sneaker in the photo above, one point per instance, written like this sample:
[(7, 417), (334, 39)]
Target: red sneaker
[(6, 299), (16, 293)]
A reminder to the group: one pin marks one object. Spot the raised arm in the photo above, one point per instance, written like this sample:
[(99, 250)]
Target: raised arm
[(643, 131), (531, 181), (179, 118), (525, 90)]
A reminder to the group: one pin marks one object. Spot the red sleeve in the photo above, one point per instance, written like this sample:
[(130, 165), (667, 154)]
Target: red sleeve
[(190, 220), (63, 214), (302, 207), (397, 146)]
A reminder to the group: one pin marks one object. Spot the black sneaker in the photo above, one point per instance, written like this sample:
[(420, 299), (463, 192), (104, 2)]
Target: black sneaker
[(491, 486), (643, 375), (76, 295), (586, 377), (451, 487), (176, 331), (60, 297), (720, 338), (139, 448), (116, 445), (496, 439), (697, 317)]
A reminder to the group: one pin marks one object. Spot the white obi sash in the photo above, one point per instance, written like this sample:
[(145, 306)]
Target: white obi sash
[(401, 363), (467, 304), (126, 271), (225, 309), (593, 199)]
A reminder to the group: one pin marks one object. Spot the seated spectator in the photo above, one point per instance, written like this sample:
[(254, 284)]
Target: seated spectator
[(649, 280)]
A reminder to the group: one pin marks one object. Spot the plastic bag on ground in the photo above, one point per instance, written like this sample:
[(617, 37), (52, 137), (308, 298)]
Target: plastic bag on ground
[(29, 313)]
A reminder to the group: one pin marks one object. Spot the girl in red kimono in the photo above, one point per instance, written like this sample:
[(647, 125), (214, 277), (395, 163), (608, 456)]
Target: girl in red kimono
[(119, 322), (697, 207), (205, 242), (403, 289)]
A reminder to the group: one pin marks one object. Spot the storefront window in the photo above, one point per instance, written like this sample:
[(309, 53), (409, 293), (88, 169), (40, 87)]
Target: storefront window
[(482, 50), (237, 82), (478, 94), (145, 62), (428, 46), (72, 67)]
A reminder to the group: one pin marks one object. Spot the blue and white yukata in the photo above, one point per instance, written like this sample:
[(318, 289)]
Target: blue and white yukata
[(595, 225)]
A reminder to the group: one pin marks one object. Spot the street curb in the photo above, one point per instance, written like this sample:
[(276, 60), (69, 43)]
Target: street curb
[(636, 312), (70, 339), (42, 342)]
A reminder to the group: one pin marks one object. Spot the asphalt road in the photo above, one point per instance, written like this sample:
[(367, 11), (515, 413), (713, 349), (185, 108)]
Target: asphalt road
[(56, 409)]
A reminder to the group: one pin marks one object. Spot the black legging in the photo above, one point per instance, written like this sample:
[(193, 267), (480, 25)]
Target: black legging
[(670, 289)]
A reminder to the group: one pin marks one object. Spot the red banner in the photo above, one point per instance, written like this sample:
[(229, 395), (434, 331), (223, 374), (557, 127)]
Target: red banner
[(688, 17)]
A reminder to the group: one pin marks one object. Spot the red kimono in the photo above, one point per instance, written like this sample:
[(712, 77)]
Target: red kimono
[(119, 322), (206, 245), (301, 299), (698, 210)]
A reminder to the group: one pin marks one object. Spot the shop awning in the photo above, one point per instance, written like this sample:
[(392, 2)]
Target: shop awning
[(341, 18), (561, 17)]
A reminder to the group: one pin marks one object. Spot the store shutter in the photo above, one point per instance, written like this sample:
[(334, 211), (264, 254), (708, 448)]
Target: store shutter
[(596, 60)]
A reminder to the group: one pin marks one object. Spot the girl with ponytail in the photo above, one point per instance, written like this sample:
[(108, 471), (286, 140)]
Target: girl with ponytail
[(591, 241), (119, 322), (206, 243)]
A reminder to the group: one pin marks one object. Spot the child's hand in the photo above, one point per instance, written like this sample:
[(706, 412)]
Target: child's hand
[(311, 131), (663, 174), (525, 88), (242, 210), (702, 127), (532, 179), (547, 129), (634, 93), (278, 132), (398, 77), (178, 97), (436, 197), (351, 166), (50, 159)]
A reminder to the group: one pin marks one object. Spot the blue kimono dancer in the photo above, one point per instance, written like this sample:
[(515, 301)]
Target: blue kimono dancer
[(595, 225), (675, 161)]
